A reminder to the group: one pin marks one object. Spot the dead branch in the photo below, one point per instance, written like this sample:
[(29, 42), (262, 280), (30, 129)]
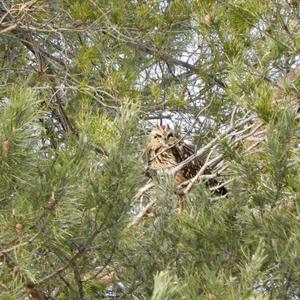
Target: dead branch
[(139, 217), (9, 28), (208, 146), (201, 172)]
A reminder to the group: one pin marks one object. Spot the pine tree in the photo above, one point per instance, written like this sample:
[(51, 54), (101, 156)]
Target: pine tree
[(81, 84)]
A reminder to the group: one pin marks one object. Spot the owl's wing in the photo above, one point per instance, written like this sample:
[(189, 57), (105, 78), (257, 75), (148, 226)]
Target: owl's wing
[(194, 166), (182, 151)]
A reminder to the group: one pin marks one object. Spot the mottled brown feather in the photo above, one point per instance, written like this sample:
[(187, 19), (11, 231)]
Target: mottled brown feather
[(165, 150)]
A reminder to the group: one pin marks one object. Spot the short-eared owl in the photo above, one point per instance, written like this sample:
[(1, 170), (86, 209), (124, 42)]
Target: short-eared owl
[(165, 150)]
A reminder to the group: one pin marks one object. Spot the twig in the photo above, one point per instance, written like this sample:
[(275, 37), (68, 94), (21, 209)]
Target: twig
[(3, 287), (80, 252), (215, 162), (232, 116), (9, 28), (78, 281), (100, 270), (139, 217), (208, 146), (223, 184), (144, 189), (201, 172), (5, 251), (171, 60), (28, 284), (68, 285)]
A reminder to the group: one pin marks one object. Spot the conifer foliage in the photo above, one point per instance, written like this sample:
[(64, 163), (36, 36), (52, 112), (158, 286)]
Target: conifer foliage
[(81, 85)]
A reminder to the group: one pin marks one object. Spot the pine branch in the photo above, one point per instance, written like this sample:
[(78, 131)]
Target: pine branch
[(47, 70), (174, 61), (78, 254), (31, 288), (78, 281)]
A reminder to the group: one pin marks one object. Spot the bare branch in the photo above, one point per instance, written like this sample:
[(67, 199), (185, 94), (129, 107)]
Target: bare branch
[(171, 60), (9, 28), (137, 219), (208, 146)]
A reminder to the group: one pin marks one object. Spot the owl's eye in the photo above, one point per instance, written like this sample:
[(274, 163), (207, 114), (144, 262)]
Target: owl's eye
[(170, 135), (157, 136)]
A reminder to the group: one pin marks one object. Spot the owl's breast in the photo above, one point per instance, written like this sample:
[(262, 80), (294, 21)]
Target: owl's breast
[(161, 159)]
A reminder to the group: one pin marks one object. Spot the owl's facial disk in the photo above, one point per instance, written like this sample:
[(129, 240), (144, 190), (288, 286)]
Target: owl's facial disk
[(162, 137)]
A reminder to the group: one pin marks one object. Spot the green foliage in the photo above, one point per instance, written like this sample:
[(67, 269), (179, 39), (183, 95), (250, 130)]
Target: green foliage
[(81, 83), (18, 119), (85, 58), (82, 10), (165, 286)]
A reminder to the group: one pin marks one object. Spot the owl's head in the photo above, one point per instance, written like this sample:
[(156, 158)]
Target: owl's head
[(161, 137)]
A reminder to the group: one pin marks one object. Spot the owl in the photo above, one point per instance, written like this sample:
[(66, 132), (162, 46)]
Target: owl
[(165, 150)]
